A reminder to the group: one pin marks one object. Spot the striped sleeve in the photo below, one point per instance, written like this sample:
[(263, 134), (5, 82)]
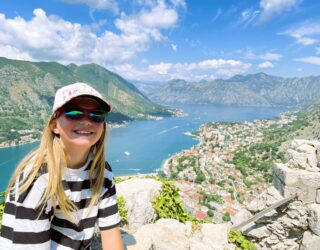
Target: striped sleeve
[(24, 225), (108, 215)]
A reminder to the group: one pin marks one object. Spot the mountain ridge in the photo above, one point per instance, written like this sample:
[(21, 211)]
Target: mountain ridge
[(27, 93), (258, 89)]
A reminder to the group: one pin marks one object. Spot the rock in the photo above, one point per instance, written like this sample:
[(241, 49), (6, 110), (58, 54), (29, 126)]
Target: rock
[(314, 218), (264, 200), (304, 154), (240, 217), (138, 194), (215, 235), (258, 232), (318, 196), (310, 241), (286, 175), (165, 234)]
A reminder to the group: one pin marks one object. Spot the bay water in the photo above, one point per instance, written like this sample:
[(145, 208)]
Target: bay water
[(142, 146)]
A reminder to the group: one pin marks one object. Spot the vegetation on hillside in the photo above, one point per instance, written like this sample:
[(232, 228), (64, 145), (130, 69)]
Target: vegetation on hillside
[(259, 157), (27, 93)]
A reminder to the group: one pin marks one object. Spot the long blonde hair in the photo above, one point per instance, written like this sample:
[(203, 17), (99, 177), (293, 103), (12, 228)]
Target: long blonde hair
[(52, 153)]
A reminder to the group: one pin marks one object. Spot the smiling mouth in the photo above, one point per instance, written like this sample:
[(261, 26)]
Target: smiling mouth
[(81, 132)]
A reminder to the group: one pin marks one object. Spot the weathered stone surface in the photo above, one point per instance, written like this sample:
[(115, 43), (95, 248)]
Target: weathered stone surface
[(168, 234), (258, 232), (310, 241), (318, 196), (304, 155), (264, 200), (314, 218), (138, 194), (215, 235), (240, 217), (287, 176), (310, 179)]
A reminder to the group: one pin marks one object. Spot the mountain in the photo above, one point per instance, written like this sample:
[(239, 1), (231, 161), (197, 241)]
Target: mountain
[(27, 92), (249, 90)]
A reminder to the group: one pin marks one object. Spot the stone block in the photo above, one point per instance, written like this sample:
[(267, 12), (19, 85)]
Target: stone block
[(310, 179), (286, 175), (258, 232), (310, 241), (318, 196), (306, 195), (277, 183), (314, 218)]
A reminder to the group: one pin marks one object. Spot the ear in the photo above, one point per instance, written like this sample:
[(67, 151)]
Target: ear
[(54, 127)]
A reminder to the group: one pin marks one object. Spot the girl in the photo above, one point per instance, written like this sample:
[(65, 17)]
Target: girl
[(61, 190)]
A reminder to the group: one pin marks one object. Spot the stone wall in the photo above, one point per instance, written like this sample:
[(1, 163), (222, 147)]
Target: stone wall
[(295, 225)]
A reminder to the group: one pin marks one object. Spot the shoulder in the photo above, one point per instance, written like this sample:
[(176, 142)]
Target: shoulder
[(34, 190), (108, 167)]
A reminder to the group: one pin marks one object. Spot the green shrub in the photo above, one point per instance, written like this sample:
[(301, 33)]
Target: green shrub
[(168, 204), (122, 209), (240, 241), (210, 213), (226, 217), (2, 199)]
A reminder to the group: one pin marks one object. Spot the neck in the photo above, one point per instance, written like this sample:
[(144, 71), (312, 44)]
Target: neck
[(77, 158)]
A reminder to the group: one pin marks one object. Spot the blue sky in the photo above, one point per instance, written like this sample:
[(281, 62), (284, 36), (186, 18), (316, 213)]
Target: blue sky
[(158, 40)]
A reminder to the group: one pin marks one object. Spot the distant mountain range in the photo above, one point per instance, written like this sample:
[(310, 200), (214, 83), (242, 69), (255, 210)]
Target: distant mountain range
[(260, 90), (27, 92)]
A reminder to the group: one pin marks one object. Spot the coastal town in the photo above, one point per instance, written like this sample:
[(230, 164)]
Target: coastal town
[(211, 185)]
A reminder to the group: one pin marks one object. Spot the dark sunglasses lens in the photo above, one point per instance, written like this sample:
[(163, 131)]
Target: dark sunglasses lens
[(74, 114), (98, 117)]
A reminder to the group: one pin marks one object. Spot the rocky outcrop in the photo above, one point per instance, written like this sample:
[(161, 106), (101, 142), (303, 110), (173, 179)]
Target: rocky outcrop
[(168, 234), (297, 224), (138, 194), (143, 233)]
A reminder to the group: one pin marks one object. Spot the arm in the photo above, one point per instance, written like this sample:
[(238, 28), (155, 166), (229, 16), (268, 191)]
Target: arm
[(108, 215), (23, 225), (111, 239)]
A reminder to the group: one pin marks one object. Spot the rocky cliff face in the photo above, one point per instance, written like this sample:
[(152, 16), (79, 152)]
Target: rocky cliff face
[(297, 224)]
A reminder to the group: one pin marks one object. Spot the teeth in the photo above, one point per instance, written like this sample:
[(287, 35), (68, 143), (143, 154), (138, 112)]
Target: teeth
[(83, 132)]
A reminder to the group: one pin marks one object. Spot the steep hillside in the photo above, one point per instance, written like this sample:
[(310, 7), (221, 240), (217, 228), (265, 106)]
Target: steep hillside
[(27, 93)]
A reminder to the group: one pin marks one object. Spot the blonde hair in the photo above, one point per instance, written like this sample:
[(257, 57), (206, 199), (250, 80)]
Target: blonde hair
[(52, 153)]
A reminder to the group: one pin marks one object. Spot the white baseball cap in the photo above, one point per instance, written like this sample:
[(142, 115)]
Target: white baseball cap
[(69, 92)]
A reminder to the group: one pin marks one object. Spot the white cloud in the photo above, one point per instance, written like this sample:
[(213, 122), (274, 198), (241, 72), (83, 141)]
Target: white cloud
[(207, 69), (53, 38), (248, 16), (305, 34), (13, 53), (266, 56), (271, 8), (159, 17), (271, 56), (311, 59), (161, 68), (265, 65), (299, 69), (97, 4), (174, 47)]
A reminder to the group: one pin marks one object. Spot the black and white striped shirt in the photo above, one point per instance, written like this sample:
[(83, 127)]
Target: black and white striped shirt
[(22, 228)]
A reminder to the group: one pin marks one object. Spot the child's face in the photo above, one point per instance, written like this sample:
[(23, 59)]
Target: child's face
[(79, 134)]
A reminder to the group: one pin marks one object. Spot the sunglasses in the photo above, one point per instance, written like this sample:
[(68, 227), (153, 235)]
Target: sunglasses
[(78, 114)]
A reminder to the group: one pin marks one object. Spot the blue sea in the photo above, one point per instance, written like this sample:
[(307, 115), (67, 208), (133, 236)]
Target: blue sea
[(142, 146)]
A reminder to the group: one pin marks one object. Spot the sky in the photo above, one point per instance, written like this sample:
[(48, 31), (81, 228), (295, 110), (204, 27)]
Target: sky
[(159, 40)]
